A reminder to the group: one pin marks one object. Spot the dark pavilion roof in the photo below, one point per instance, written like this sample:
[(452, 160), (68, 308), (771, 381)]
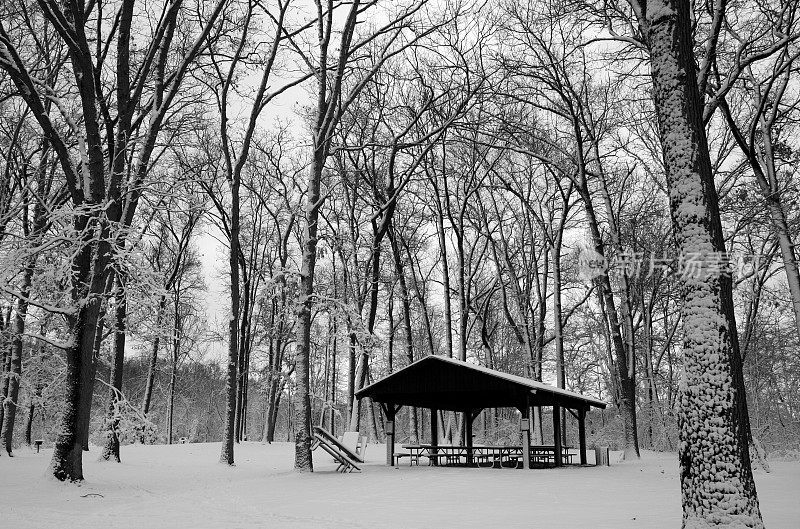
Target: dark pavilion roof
[(449, 384)]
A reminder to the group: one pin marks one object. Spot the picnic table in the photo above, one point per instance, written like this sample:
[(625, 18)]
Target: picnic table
[(449, 454), (547, 453), (495, 455)]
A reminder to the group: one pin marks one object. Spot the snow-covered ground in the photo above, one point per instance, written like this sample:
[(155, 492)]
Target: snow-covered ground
[(182, 486)]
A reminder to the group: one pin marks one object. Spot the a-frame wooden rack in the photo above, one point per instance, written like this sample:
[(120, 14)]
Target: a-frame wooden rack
[(346, 458)]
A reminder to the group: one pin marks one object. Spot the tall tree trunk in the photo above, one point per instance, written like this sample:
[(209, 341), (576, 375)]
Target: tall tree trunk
[(716, 477), (334, 381), (33, 400), (87, 290), (780, 228), (274, 412), (11, 364), (374, 428), (648, 368), (111, 448), (171, 401), (422, 298), (362, 369), (226, 454), (561, 375), (177, 330), (89, 376), (246, 389), (626, 385), (303, 461), (276, 380), (448, 309), (5, 375), (351, 352), (10, 404), (151, 370), (390, 338), (241, 381), (762, 161), (360, 378), (406, 301), (463, 297), (652, 394), (271, 351), (269, 428), (29, 419), (624, 316)]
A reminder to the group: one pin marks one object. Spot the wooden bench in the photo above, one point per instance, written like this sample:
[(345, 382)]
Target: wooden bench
[(546, 455), (414, 458)]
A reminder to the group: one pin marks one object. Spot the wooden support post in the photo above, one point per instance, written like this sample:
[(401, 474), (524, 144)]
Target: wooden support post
[(582, 434), (434, 435), (468, 434), (557, 434), (389, 410), (525, 429)]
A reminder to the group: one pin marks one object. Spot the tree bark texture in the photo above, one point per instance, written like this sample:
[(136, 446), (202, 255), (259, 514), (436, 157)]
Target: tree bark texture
[(303, 461), (716, 479), (226, 455)]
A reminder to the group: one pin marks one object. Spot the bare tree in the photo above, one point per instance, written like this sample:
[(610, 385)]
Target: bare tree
[(714, 452), (94, 158), (331, 102)]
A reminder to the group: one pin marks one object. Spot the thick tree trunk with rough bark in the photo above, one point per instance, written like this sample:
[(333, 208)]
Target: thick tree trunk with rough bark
[(716, 479), (67, 461)]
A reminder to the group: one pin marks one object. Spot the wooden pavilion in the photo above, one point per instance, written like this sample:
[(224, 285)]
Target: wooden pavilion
[(441, 383)]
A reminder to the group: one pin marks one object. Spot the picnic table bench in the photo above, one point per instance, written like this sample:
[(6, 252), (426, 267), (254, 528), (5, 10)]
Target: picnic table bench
[(415, 452), (547, 453), (495, 456)]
